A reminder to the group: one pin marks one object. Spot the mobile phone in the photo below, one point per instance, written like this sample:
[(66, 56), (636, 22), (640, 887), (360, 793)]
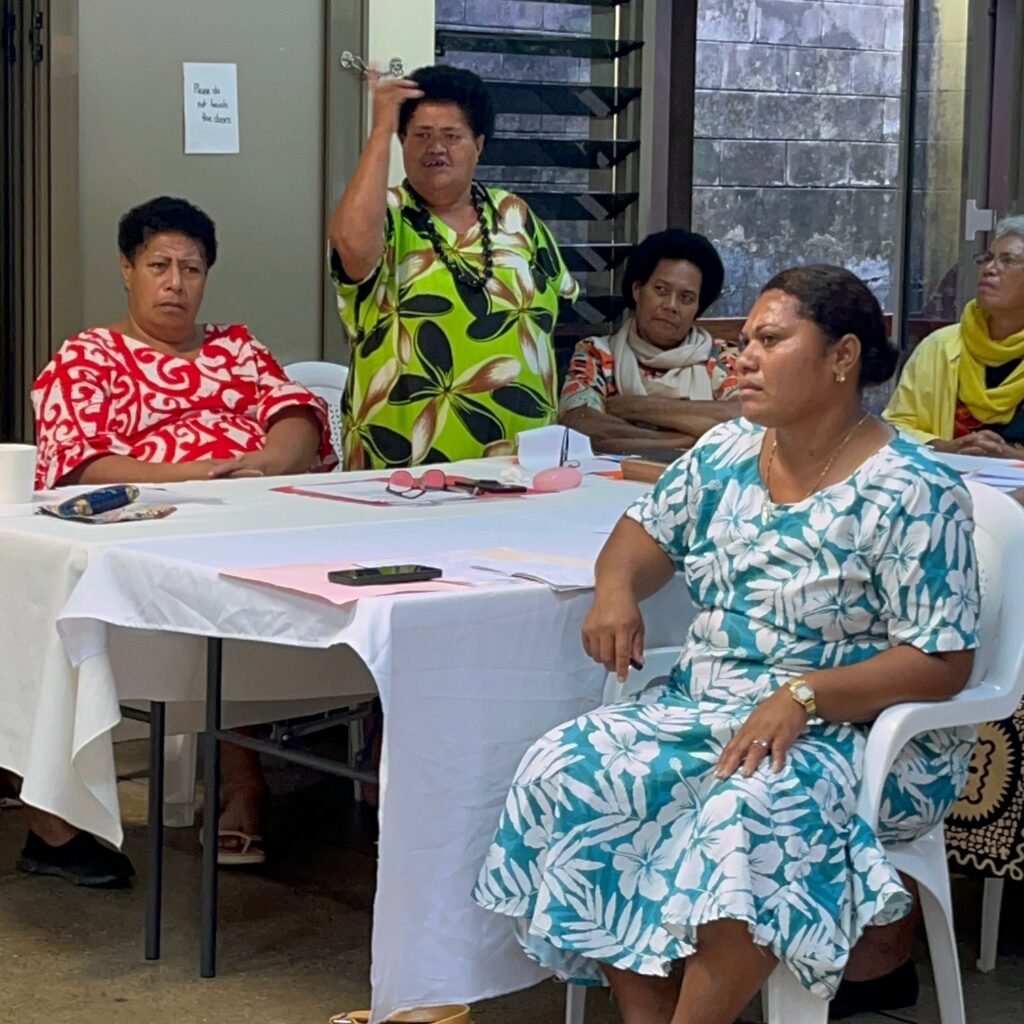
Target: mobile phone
[(380, 574), (484, 486)]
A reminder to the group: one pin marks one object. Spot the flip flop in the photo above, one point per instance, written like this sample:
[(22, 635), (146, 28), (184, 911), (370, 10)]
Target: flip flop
[(238, 849), (457, 1013)]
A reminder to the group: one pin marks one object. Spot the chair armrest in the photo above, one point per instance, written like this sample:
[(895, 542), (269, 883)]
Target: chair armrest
[(899, 724)]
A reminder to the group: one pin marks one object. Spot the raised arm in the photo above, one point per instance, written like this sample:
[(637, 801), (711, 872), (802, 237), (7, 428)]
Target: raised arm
[(356, 228)]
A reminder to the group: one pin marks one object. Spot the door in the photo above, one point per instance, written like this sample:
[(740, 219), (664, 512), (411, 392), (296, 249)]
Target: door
[(965, 164)]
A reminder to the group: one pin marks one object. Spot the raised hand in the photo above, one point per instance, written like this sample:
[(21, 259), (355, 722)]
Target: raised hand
[(387, 97)]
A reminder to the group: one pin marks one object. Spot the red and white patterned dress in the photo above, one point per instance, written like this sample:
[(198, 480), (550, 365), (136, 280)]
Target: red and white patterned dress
[(105, 393)]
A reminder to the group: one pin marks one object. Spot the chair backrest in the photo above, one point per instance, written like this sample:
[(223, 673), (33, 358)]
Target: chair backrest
[(999, 542), (326, 381), (658, 662)]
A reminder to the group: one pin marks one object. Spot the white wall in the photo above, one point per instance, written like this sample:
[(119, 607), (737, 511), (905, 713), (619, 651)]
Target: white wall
[(400, 28)]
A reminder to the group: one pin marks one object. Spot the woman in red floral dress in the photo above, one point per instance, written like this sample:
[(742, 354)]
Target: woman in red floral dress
[(156, 398)]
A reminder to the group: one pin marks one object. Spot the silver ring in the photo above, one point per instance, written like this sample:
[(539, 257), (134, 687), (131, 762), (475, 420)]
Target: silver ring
[(762, 743)]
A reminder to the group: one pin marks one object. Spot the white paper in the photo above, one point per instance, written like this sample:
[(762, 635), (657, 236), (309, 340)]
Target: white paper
[(978, 463), (1002, 481), (559, 572), (542, 449), (211, 108)]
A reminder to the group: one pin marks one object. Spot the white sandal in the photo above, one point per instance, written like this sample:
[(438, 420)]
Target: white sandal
[(248, 852), (457, 1013)]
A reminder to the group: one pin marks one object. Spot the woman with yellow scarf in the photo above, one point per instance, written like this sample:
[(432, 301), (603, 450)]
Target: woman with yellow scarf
[(963, 388)]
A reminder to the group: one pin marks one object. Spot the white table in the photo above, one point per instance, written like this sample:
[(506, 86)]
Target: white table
[(468, 681)]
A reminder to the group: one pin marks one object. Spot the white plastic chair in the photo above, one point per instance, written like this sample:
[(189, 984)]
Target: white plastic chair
[(993, 692), (326, 381)]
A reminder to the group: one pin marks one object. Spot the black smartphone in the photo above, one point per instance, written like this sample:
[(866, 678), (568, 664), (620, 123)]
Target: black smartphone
[(461, 483), (379, 574)]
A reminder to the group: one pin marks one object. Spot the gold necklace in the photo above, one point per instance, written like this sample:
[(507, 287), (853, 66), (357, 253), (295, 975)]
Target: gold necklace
[(767, 505)]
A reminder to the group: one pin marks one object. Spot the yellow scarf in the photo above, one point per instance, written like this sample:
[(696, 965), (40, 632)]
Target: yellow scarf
[(989, 405)]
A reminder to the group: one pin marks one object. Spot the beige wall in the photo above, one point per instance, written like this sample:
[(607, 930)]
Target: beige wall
[(267, 201)]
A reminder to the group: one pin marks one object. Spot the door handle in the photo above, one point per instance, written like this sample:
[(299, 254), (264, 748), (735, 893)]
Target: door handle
[(353, 62), (976, 220)]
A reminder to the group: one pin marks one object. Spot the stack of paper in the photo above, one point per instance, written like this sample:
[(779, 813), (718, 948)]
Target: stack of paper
[(1009, 479), (559, 572), (1002, 474)]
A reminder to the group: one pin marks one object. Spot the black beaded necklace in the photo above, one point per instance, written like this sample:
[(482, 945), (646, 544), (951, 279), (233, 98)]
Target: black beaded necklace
[(478, 197)]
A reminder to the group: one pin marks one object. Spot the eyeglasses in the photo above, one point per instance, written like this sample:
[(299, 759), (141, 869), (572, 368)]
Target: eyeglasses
[(403, 484), (563, 455), (1004, 261)]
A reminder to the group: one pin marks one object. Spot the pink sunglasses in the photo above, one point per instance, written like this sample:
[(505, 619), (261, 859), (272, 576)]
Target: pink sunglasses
[(406, 485)]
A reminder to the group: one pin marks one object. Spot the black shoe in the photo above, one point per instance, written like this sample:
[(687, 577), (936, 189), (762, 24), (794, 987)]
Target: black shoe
[(896, 990), (83, 860)]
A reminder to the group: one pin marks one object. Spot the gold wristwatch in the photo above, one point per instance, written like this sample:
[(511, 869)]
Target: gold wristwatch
[(800, 690)]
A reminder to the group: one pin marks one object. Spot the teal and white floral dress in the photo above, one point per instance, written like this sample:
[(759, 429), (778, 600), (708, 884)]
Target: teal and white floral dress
[(617, 840)]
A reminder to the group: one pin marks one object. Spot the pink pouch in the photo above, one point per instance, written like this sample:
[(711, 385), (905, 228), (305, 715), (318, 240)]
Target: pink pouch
[(558, 478)]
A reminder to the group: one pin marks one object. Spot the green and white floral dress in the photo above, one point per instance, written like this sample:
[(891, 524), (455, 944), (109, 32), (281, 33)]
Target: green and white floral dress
[(617, 841), (440, 370)]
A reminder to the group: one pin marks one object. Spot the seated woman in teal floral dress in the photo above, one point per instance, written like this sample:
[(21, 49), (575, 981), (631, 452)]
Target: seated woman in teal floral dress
[(714, 821)]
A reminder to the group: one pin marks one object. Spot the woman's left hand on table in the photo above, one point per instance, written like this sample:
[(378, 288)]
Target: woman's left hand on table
[(770, 730), (250, 464)]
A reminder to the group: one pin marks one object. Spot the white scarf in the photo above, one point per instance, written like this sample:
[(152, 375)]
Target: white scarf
[(681, 372)]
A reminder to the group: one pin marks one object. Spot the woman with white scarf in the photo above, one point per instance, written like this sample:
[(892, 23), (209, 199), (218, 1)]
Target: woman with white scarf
[(659, 381)]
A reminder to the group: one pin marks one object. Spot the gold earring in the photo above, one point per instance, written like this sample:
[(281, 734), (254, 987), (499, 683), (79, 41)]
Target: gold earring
[(840, 377)]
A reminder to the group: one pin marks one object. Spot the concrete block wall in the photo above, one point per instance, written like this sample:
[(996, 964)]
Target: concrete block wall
[(797, 133), (797, 137)]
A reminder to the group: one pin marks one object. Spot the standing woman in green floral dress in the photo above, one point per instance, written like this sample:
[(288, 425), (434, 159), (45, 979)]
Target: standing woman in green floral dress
[(449, 290)]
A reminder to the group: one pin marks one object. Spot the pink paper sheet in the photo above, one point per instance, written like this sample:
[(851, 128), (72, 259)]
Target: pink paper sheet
[(311, 580)]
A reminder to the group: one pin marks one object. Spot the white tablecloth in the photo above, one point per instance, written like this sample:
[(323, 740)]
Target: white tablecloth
[(468, 680)]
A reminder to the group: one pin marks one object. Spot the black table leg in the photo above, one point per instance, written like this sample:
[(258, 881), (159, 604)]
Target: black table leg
[(154, 889), (211, 808)]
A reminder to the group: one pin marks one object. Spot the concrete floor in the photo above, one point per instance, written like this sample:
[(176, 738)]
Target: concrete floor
[(295, 936)]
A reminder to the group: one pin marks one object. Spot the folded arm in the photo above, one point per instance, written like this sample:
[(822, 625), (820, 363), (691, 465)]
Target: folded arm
[(293, 439), (613, 434), (681, 415)]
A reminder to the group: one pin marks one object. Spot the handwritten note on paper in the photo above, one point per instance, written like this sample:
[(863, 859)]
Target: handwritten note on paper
[(211, 108)]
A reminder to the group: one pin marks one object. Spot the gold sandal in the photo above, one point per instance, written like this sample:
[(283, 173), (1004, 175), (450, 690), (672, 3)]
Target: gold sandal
[(456, 1013)]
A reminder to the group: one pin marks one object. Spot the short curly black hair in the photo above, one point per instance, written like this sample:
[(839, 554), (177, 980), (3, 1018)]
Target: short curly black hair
[(444, 84), (675, 244), (166, 214), (840, 303)]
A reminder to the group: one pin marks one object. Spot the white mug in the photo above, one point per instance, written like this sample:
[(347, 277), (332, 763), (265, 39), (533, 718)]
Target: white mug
[(17, 473)]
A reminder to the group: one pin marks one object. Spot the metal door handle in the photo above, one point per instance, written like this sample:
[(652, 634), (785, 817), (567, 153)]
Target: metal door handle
[(976, 220), (353, 62)]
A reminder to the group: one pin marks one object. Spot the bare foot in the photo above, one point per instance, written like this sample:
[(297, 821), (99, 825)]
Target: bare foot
[(243, 790)]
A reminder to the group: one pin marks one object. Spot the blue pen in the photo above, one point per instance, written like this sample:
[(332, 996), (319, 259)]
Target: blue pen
[(102, 500)]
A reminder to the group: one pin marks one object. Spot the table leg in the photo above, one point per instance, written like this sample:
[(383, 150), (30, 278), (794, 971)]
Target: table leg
[(154, 888), (211, 809)]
